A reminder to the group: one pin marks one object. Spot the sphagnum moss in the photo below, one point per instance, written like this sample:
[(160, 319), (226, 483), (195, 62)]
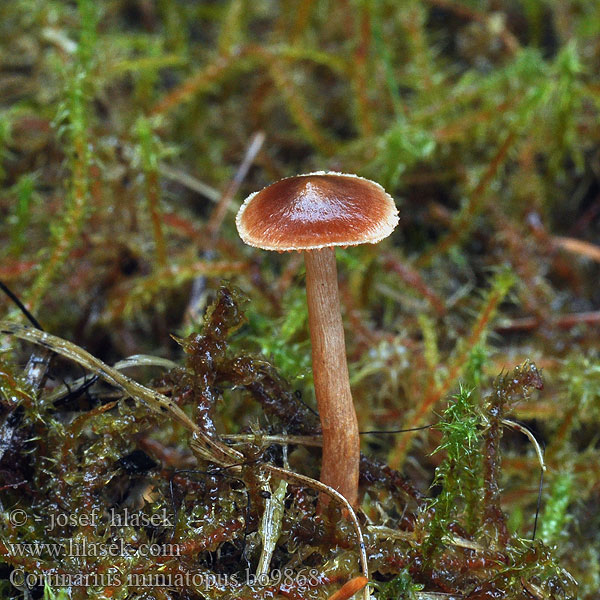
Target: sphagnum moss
[(480, 120)]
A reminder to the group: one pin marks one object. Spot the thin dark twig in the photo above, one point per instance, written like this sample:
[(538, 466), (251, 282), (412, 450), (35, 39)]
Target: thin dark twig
[(298, 395), (21, 306), (84, 387), (383, 432), (539, 449), (37, 365), (87, 383)]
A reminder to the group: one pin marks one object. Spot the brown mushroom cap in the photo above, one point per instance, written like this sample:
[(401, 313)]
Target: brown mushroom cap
[(317, 210)]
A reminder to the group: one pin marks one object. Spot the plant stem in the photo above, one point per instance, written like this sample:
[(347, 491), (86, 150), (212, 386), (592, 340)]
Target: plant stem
[(341, 444)]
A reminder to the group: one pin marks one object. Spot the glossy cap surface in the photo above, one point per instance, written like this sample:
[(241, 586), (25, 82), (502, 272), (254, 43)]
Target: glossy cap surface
[(317, 210)]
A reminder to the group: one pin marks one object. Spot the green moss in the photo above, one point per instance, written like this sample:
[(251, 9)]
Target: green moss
[(555, 516), (402, 586), (460, 475), (122, 124)]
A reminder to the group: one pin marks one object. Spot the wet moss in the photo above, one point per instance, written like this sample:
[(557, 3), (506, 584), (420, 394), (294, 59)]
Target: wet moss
[(122, 130)]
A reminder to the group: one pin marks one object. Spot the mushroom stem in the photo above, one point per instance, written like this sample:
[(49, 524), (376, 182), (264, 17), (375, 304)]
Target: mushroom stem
[(341, 444)]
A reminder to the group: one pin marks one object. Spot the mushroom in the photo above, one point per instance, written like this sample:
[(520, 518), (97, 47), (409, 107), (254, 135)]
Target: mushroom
[(314, 213)]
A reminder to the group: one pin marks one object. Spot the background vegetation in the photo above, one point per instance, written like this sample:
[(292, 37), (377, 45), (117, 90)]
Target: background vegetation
[(123, 130)]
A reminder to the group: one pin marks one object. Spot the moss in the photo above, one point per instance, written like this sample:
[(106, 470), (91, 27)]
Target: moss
[(123, 126)]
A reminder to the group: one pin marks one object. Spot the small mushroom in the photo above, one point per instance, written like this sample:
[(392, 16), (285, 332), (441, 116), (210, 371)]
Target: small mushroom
[(313, 213)]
